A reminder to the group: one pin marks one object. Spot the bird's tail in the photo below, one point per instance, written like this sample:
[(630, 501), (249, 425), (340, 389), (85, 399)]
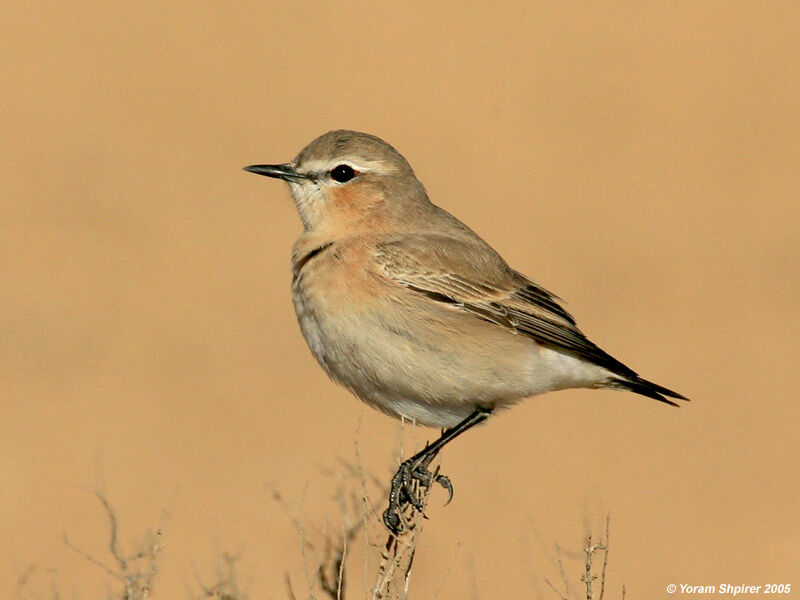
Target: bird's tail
[(647, 388)]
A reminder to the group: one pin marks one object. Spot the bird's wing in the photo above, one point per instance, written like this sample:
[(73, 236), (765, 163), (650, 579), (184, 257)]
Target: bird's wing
[(468, 275)]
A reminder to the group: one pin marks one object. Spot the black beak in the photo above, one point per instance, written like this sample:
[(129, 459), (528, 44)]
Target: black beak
[(285, 171)]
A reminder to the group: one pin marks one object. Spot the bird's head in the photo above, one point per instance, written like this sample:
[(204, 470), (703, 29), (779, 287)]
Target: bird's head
[(344, 178)]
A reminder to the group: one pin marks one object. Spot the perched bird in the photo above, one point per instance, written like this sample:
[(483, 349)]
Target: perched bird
[(414, 313)]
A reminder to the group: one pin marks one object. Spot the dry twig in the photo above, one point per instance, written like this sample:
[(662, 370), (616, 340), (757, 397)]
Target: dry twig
[(136, 571), (227, 585), (588, 577)]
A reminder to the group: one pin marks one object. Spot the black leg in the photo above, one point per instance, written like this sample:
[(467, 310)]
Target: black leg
[(401, 492)]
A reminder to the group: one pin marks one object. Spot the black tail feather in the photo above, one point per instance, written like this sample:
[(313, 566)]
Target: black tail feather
[(649, 389)]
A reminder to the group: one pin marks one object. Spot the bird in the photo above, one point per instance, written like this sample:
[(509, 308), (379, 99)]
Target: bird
[(415, 313)]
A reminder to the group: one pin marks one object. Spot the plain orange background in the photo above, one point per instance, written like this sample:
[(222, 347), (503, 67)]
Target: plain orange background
[(639, 159)]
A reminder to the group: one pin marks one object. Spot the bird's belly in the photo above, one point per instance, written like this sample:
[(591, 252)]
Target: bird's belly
[(434, 367)]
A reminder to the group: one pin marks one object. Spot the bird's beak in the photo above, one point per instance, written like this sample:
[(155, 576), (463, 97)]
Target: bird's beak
[(286, 172)]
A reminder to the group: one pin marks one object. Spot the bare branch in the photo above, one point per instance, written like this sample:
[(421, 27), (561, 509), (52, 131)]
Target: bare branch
[(552, 587), (564, 579), (113, 538), (398, 552), (605, 557), (226, 586), (587, 577), (137, 571), (92, 559), (589, 568), (289, 590)]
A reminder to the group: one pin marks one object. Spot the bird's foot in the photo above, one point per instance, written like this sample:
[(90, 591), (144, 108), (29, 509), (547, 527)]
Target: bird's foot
[(408, 488)]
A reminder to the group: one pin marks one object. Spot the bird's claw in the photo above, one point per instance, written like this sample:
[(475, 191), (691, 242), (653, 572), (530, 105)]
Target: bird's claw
[(402, 492), (444, 481)]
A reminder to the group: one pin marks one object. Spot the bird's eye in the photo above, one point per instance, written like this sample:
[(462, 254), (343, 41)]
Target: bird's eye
[(343, 173)]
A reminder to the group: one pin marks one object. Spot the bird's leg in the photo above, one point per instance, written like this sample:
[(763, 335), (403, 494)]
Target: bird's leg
[(401, 491)]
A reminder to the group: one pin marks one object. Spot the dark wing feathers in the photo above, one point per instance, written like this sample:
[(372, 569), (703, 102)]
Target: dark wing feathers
[(568, 338), (540, 297), (489, 289)]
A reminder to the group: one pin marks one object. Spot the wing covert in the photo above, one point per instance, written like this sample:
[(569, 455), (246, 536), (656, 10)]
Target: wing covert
[(468, 275)]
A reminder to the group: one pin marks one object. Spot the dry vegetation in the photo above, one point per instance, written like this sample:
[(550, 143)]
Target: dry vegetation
[(590, 569), (327, 569), (356, 541)]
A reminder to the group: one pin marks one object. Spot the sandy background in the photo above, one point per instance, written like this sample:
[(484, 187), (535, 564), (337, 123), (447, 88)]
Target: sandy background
[(640, 160)]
